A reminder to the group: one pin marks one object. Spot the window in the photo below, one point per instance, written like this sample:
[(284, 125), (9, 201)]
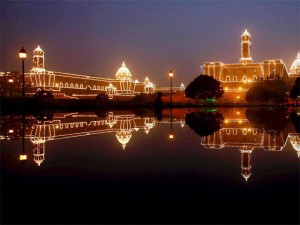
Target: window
[(254, 70), (98, 87), (81, 86), (244, 78), (254, 77), (94, 87), (234, 78), (227, 78), (76, 85), (61, 84), (71, 85), (66, 85)]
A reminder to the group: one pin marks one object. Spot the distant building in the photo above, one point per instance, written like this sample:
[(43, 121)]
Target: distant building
[(295, 69), (66, 85), (237, 78)]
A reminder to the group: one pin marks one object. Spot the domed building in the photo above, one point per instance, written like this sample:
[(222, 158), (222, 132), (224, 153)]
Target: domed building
[(295, 68), (295, 141), (82, 86)]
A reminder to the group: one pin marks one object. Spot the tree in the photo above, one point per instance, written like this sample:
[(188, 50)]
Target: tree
[(203, 87), (295, 92), (204, 123), (269, 90)]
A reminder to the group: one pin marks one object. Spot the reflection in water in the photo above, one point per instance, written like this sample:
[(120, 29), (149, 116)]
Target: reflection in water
[(244, 129), (237, 128)]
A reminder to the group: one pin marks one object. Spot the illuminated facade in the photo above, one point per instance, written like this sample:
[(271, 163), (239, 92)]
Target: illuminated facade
[(237, 78), (66, 85), (295, 69)]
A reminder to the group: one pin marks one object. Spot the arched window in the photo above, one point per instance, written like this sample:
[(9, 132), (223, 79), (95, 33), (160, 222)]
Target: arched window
[(76, 85), (71, 85), (245, 78), (227, 131), (81, 86), (94, 87), (66, 85), (234, 78), (102, 88), (98, 87), (61, 84), (227, 78)]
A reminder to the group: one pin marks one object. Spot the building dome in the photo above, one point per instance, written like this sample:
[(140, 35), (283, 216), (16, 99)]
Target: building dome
[(38, 49), (295, 141), (295, 68), (246, 33), (123, 137), (123, 73)]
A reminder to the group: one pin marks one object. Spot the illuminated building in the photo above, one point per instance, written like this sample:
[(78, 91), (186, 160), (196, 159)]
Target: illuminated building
[(237, 78), (66, 85), (295, 141), (295, 69)]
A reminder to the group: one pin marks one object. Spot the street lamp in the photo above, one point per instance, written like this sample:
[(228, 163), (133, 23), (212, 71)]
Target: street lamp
[(23, 56), (23, 156), (10, 81), (171, 76)]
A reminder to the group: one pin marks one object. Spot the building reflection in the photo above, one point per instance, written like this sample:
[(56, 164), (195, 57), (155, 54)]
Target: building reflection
[(236, 128), (246, 130)]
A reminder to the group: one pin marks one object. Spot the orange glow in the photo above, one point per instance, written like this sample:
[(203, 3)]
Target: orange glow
[(170, 73), (226, 121), (249, 129), (171, 136), (10, 131), (238, 97), (23, 157), (10, 80), (238, 113), (240, 121), (226, 88), (240, 88), (249, 80)]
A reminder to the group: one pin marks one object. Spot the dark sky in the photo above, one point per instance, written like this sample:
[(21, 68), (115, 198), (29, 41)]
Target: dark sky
[(152, 37)]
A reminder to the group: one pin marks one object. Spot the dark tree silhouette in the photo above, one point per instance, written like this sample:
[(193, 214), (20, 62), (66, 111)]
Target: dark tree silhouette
[(268, 119), (203, 87), (204, 123), (295, 118), (295, 92), (269, 90)]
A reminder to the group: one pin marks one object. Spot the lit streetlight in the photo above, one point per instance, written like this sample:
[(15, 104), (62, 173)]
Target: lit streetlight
[(171, 78), (23, 56), (10, 81)]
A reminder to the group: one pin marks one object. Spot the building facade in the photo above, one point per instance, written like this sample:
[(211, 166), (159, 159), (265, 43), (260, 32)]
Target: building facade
[(237, 78), (66, 85)]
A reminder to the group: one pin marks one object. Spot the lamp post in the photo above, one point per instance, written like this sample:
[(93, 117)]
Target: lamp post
[(10, 81), (23, 56), (171, 136), (23, 156), (171, 76)]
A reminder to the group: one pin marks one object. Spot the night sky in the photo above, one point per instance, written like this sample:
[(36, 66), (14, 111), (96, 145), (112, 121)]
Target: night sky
[(152, 37)]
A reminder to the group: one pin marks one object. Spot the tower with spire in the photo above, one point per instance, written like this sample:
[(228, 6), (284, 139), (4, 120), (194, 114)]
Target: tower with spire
[(245, 161), (246, 48)]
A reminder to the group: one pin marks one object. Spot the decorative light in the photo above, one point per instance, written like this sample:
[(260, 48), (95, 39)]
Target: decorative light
[(170, 73), (171, 136), (240, 88), (23, 157), (238, 113), (238, 97), (10, 131), (249, 80), (10, 80), (22, 54)]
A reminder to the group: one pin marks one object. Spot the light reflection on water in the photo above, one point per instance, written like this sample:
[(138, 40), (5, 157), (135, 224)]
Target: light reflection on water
[(127, 158)]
